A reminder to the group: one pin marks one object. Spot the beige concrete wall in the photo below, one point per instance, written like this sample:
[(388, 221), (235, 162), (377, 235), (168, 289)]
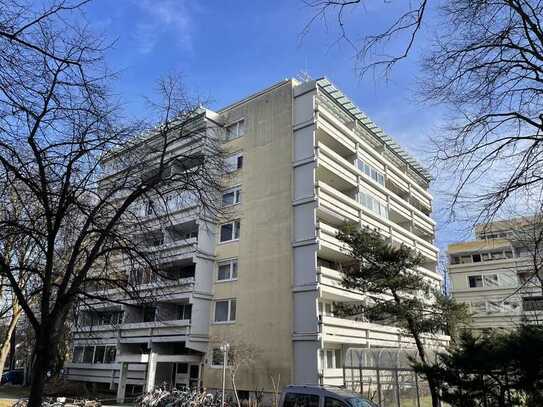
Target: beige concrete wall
[(263, 287)]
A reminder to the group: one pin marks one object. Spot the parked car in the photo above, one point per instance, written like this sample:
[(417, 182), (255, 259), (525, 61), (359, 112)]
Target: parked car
[(12, 377), (321, 396)]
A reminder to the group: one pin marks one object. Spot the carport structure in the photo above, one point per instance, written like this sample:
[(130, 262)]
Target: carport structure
[(385, 375)]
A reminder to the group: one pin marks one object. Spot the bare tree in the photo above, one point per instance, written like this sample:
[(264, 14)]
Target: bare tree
[(241, 354), (20, 254), (486, 65), (78, 172)]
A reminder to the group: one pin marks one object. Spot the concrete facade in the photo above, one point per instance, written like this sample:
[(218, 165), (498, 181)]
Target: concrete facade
[(311, 161), (491, 275)]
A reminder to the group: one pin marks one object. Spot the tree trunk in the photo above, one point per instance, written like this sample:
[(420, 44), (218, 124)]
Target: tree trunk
[(43, 350), (432, 384), (233, 377), (422, 353), (6, 340)]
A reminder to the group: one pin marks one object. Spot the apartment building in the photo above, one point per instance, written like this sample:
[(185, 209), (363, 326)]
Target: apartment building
[(302, 160), (493, 274)]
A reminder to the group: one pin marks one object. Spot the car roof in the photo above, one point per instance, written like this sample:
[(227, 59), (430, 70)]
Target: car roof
[(334, 390)]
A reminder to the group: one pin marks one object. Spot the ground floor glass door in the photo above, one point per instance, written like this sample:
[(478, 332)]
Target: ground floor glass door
[(187, 375)]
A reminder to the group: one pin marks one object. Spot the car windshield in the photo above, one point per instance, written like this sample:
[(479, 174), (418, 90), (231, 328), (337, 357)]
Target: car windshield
[(358, 402)]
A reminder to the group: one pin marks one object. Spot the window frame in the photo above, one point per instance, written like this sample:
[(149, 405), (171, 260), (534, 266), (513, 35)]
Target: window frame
[(219, 366), (238, 159), (237, 196), (484, 284), (237, 124), (236, 227), (233, 268), (229, 319), (182, 311), (377, 206), (370, 170)]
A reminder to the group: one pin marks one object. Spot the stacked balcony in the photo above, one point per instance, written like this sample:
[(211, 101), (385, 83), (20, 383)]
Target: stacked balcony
[(399, 209)]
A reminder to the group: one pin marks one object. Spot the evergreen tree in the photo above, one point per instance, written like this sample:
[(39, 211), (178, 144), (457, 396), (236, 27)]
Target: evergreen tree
[(397, 290)]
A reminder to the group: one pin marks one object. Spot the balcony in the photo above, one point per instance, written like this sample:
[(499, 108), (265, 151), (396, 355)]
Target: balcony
[(357, 333), (345, 136), (342, 177), (335, 208)]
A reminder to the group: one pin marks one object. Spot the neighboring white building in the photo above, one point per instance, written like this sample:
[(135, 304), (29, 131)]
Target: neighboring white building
[(303, 160), (493, 274)]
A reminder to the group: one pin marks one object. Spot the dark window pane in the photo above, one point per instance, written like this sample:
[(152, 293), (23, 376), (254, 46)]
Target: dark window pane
[(475, 281), (224, 272), (217, 357), (301, 400), (99, 354), (228, 198), (232, 310), (149, 314), (111, 352), (88, 354), (227, 232), (221, 311)]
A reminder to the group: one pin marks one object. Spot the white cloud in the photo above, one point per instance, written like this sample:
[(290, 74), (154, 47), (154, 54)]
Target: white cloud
[(161, 18)]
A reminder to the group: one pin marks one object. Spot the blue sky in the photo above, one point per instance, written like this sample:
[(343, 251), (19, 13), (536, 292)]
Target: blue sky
[(226, 50)]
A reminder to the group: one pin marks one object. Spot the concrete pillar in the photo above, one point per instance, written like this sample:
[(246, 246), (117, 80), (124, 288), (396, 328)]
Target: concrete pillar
[(121, 387), (151, 372)]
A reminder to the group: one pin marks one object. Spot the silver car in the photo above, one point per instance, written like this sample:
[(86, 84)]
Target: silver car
[(321, 396)]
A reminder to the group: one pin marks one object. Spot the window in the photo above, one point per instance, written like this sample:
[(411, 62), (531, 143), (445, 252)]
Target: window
[(78, 354), (217, 357), (476, 258), (184, 311), (373, 204), (331, 402), (326, 309), (99, 354), (143, 276), (534, 303), (233, 162), (111, 353), (235, 130), (227, 270), (231, 197), (331, 359), (301, 400), (109, 317), (230, 231), (88, 354), (370, 171), (225, 311), (485, 280), (475, 281), (149, 313)]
